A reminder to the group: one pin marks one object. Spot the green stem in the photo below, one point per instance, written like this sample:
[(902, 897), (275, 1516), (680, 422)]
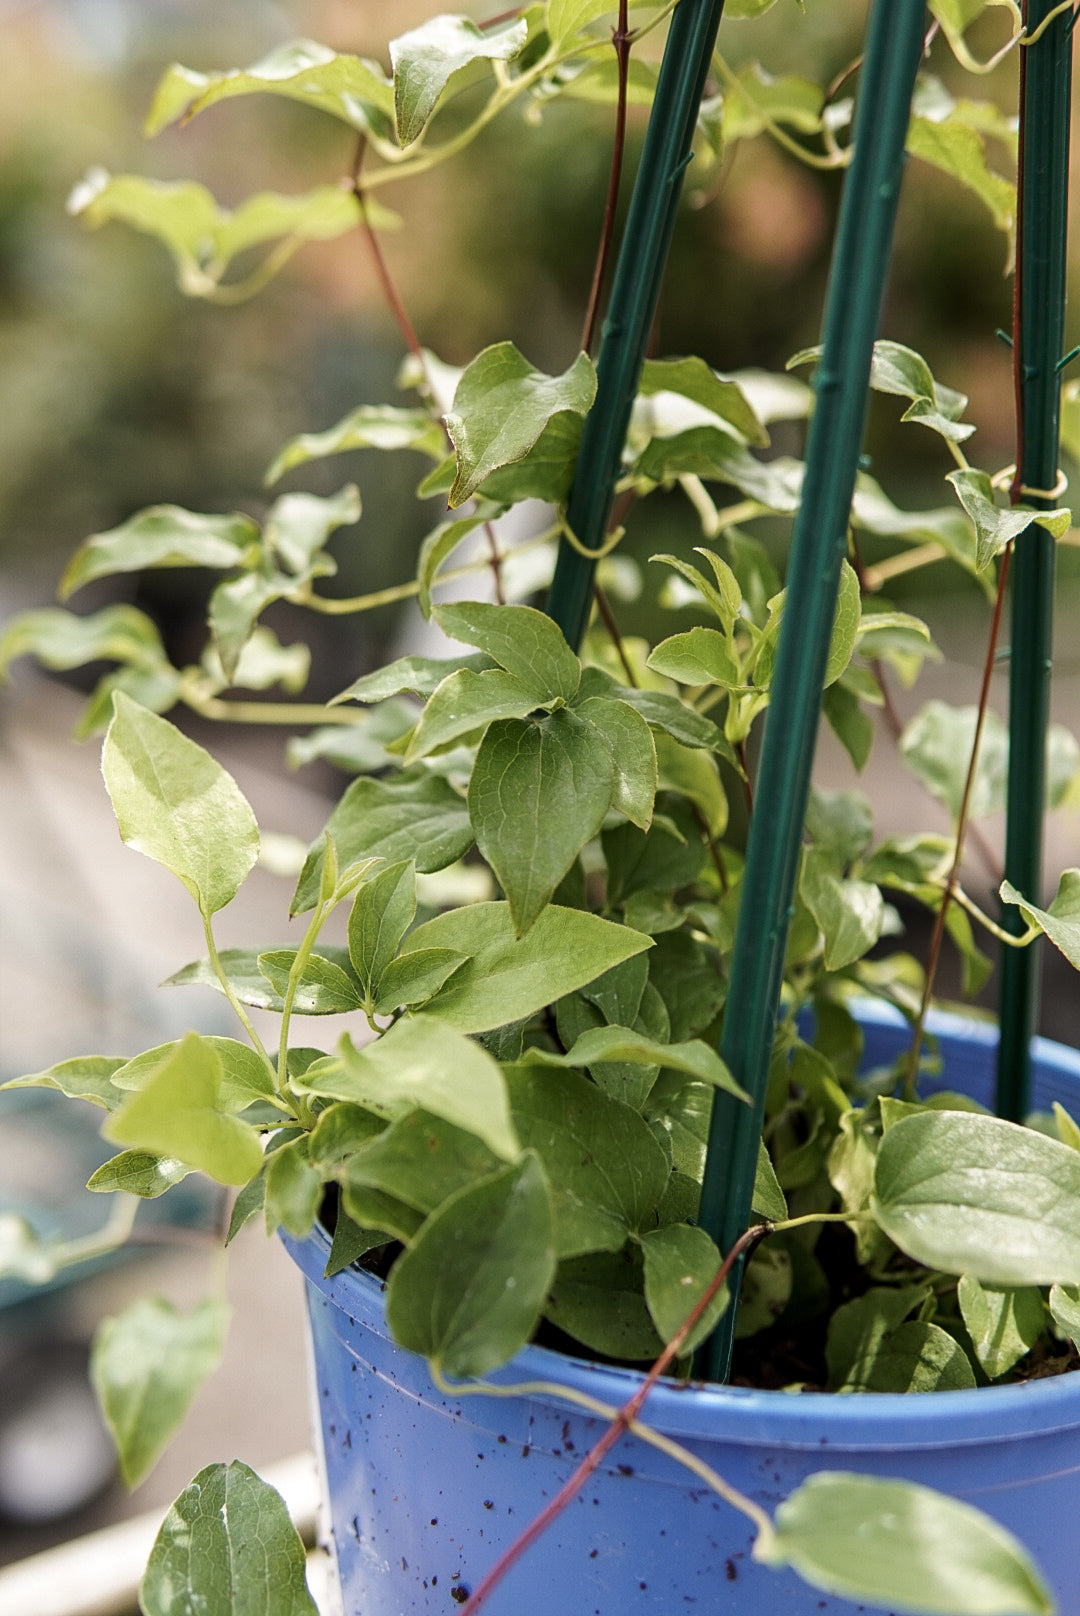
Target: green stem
[(1038, 333), (230, 992), (632, 309), (819, 545)]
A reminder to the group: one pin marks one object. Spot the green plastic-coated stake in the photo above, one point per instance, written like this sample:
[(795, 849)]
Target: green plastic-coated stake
[(856, 287), (634, 295), (1038, 336)]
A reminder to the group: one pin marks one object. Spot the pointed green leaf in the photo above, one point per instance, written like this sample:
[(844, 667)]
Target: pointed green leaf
[(137, 1172), (245, 1074), (903, 1547), (421, 1159), (414, 978), (1065, 1308), (371, 426), (1003, 1324), (162, 536), (293, 1190), (872, 1349), (347, 87), (607, 1172), (325, 988), (202, 237), (426, 59), (227, 1545), (146, 1366), (937, 745), (520, 639), (381, 914), (412, 815), (422, 1061), (501, 407), (995, 527), (174, 803), (539, 791), (177, 1113), (86, 1077), (758, 98), (61, 640), (509, 979), (680, 1262), (974, 1194), (720, 395), (409, 675), (693, 1057), (465, 702), (849, 913), (951, 144), (698, 656), (468, 1292), (1061, 922), (599, 1300)]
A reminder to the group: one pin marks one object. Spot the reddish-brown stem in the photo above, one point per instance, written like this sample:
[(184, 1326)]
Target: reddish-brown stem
[(937, 937), (744, 764), (503, 16), (386, 280), (496, 562), (603, 606), (622, 39), (622, 1422)]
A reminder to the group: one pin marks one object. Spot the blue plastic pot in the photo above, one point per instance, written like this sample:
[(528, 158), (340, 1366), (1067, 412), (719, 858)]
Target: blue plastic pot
[(425, 1491)]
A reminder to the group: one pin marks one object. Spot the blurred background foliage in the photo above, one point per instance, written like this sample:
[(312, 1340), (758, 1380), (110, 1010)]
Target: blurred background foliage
[(115, 392)]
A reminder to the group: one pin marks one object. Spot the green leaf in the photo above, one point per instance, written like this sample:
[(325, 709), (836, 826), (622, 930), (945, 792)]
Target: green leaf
[(137, 1172), (86, 1077), (901, 371), (904, 1547), (720, 395), (502, 405), (426, 59), (293, 1190), (768, 1201), (325, 987), (371, 426), (422, 1061), (951, 144), (853, 728), (525, 642), (715, 454), (467, 701), (347, 87), (1003, 1324), (698, 656), (227, 1545), (1061, 922), (298, 525), (415, 978), (177, 1114), (437, 549), (996, 528), (146, 1366), (606, 1171), (849, 913), (937, 745), (599, 1300), (468, 1291), (174, 803), (974, 1194), (540, 789), (633, 756), (421, 1159), (245, 1075), (766, 1290), (162, 536), (757, 99), (381, 914), (872, 1349), (202, 237), (61, 640), (842, 641), (508, 978), (671, 715), (1065, 1309), (546, 471), (414, 675), (680, 1262), (613, 1043), (412, 815)]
